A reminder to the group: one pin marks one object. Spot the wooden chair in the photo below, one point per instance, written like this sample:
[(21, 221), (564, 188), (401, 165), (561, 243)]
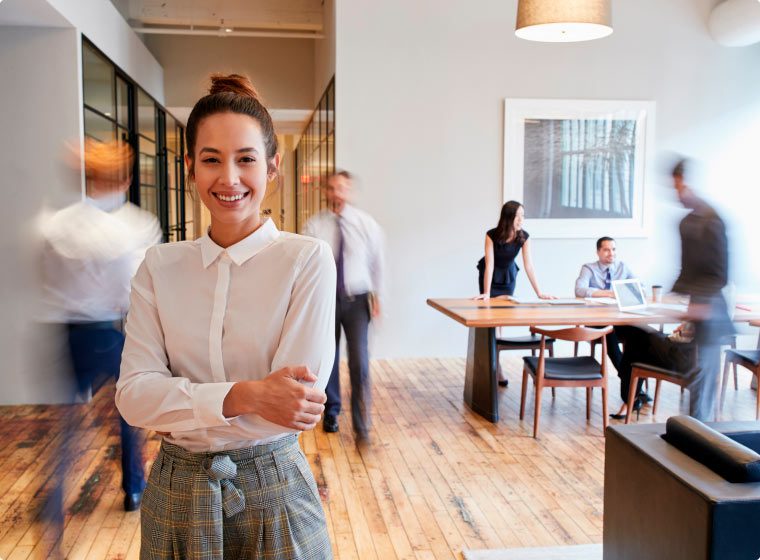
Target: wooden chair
[(531, 342), (749, 359), (647, 371), (583, 371)]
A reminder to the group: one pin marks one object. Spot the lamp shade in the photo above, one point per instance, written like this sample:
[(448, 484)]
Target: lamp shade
[(563, 21)]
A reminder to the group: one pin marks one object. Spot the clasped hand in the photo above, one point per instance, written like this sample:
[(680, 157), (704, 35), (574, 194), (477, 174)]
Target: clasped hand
[(280, 398)]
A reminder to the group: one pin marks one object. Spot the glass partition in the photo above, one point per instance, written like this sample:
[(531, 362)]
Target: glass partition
[(116, 108), (315, 158)]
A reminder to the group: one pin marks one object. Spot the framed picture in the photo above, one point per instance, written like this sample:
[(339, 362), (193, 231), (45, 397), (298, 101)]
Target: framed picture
[(579, 166)]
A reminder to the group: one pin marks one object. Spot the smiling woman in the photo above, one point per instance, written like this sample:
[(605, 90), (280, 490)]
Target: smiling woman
[(230, 343)]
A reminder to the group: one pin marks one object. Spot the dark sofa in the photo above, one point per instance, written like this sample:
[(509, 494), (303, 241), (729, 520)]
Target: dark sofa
[(662, 501)]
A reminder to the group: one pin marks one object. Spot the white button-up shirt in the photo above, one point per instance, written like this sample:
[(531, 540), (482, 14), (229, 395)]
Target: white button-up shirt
[(203, 317), (363, 259), (91, 252)]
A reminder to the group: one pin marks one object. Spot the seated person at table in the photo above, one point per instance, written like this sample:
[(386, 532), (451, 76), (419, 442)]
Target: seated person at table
[(595, 280), (676, 352)]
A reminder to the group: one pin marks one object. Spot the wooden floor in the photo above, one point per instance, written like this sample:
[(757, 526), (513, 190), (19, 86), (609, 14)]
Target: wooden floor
[(437, 479)]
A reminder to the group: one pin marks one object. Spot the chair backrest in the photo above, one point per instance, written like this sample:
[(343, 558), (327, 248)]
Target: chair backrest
[(573, 334)]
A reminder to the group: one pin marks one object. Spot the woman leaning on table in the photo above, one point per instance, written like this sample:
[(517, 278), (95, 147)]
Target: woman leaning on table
[(497, 270), (229, 345)]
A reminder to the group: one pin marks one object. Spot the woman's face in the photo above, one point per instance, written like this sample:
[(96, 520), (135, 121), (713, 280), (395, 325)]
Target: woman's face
[(230, 169), (519, 218)]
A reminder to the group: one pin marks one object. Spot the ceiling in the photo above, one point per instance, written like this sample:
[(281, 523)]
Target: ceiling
[(263, 18)]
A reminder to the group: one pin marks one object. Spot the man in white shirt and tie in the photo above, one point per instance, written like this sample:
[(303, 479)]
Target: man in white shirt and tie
[(595, 280), (357, 243)]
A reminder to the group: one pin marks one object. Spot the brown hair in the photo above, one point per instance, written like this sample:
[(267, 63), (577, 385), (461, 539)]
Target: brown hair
[(231, 93), (506, 226), (107, 161)]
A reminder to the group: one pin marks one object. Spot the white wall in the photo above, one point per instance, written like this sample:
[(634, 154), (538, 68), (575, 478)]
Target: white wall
[(420, 90), (101, 23), (40, 96)]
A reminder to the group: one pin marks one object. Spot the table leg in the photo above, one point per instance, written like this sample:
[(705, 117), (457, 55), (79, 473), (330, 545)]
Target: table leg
[(480, 392)]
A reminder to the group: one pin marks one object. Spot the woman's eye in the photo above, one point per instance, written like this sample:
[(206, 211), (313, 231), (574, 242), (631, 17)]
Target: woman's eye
[(211, 160), (247, 159)]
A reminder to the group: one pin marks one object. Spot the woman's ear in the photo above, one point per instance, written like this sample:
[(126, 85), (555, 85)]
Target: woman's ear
[(189, 166), (273, 167)]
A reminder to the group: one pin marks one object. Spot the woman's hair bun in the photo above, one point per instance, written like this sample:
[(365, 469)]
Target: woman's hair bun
[(232, 83)]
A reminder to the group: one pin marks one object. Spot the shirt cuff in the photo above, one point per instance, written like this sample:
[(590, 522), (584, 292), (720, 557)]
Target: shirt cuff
[(208, 402)]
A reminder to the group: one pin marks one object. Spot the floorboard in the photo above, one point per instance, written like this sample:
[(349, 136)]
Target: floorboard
[(436, 479)]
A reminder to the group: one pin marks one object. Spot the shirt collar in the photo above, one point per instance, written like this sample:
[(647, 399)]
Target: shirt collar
[(348, 213), (244, 249), (604, 267)]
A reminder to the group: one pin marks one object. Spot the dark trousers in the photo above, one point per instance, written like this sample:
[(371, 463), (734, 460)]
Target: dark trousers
[(95, 350), (613, 346), (352, 314), (699, 363)]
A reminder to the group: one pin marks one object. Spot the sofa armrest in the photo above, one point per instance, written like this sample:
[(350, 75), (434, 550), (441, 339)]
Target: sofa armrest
[(721, 454)]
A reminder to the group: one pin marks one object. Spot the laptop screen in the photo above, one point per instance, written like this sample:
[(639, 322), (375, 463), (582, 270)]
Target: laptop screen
[(629, 294)]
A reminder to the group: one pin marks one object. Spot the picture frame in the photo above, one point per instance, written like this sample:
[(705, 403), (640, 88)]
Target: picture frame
[(579, 167)]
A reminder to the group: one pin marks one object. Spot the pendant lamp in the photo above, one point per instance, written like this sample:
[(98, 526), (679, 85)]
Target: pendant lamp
[(563, 21)]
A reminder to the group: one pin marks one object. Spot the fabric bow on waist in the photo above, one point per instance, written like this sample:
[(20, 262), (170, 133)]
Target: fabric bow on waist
[(220, 471)]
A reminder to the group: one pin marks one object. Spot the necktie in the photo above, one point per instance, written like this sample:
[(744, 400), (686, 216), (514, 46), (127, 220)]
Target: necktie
[(608, 280), (341, 287)]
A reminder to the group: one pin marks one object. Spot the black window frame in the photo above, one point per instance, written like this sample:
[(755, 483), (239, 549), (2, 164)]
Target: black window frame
[(133, 137)]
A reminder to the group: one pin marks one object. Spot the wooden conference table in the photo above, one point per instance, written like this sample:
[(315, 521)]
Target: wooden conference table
[(482, 318)]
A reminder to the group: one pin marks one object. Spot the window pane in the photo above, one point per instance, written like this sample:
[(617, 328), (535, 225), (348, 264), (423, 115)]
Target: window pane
[(98, 76), (122, 102), (146, 115), (99, 128), (149, 199), (171, 134)]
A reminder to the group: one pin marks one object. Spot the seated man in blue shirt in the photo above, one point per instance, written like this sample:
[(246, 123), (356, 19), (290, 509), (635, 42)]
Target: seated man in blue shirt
[(595, 280)]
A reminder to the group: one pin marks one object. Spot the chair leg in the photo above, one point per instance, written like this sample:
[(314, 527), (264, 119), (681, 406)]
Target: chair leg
[(537, 412), (631, 397), (550, 348), (724, 385), (736, 373), (588, 403), (605, 417), (524, 392), (657, 396)]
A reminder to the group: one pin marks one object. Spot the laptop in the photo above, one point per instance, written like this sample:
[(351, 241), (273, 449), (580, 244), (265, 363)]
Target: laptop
[(631, 299)]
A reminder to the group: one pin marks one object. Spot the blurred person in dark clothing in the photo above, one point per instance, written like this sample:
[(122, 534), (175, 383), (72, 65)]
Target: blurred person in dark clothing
[(694, 348), (91, 251)]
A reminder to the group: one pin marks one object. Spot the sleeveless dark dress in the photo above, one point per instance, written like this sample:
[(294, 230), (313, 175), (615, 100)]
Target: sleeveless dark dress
[(505, 268)]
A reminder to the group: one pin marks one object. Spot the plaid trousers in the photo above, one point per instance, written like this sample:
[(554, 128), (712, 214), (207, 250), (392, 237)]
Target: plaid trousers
[(256, 502)]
